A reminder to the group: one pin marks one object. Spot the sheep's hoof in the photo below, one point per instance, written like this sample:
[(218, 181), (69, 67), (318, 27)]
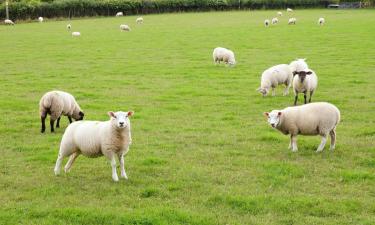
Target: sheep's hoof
[(295, 150), (319, 150), (57, 172), (124, 176), (115, 179)]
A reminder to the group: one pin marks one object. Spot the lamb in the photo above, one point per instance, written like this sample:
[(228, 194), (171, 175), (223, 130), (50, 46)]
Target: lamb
[(321, 21), (119, 14), (223, 55), (275, 20), (266, 22), (292, 21), (304, 81), (279, 13), (272, 77), (69, 26), (139, 20), (289, 10), (8, 22), (40, 19), (298, 65), (320, 118), (94, 139), (57, 103), (124, 27), (76, 34)]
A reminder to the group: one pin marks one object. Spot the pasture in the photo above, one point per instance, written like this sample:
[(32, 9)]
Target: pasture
[(202, 150)]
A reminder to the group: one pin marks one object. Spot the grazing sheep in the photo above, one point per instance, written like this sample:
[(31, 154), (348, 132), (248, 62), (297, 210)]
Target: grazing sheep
[(139, 20), (289, 10), (292, 21), (275, 20), (279, 13), (93, 139), (223, 55), (320, 118), (119, 14), (298, 65), (124, 27), (57, 103), (8, 22), (69, 26), (266, 22), (40, 19), (321, 21), (76, 34), (304, 81), (272, 77)]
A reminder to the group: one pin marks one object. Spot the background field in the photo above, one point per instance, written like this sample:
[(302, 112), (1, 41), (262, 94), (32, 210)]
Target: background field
[(202, 151)]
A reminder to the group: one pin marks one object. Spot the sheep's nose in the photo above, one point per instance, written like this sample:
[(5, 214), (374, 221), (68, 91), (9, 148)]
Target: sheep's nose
[(121, 123), (272, 124)]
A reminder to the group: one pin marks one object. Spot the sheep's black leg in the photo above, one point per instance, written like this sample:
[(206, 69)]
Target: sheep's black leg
[(43, 120), (70, 119), (311, 93), (304, 96), (58, 122), (295, 99), (52, 123)]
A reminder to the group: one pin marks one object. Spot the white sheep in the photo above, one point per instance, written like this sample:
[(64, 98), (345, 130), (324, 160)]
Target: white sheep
[(292, 21), (223, 55), (304, 81), (124, 27), (69, 26), (94, 138), (57, 103), (298, 65), (321, 21), (76, 34), (119, 14), (320, 118), (40, 19), (289, 10), (8, 22), (272, 77), (139, 20), (279, 13), (275, 20), (266, 22)]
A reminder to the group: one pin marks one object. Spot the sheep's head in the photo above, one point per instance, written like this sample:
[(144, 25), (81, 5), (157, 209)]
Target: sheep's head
[(120, 119), (263, 91), (78, 115), (273, 117), (302, 74)]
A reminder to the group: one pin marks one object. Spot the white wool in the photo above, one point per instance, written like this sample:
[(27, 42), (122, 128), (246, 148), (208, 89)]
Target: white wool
[(279, 13), (40, 19), (321, 21), (272, 77), (308, 85), (69, 26), (110, 138), (223, 55), (119, 14), (8, 22), (292, 21), (320, 118), (275, 20), (289, 10), (124, 27), (298, 65), (139, 20), (76, 34), (266, 22)]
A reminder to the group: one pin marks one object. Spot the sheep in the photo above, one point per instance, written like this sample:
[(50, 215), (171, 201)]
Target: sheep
[(76, 34), (139, 20), (124, 27), (289, 10), (57, 103), (119, 14), (40, 19), (266, 22), (298, 65), (8, 22), (223, 55), (320, 118), (69, 26), (321, 21), (304, 81), (275, 20), (292, 21), (96, 138), (272, 77), (279, 13)]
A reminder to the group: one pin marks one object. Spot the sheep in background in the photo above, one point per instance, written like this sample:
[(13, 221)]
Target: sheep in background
[(298, 65), (289, 10), (76, 34), (40, 19), (319, 118), (69, 26), (266, 22), (272, 77), (93, 139), (275, 21), (279, 13), (223, 55), (124, 27), (119, 14), (57, 103), (139, 20), (304, 81), (321, 21), (292, 21), (8, 22)]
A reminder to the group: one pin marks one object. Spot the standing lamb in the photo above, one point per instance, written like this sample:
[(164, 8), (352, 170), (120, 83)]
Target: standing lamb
[(124, 27), (275, 21), (69, 26), (40, 19), (298, 65), (304, 81), (279, 13), (223, 55), (289, 10), (76, 34), (119, 14), (139, 20), (272, 77), (266, 22), (321, 21), (292, 21), (320, 118), (93, 139), (8, 22), (57, 103)]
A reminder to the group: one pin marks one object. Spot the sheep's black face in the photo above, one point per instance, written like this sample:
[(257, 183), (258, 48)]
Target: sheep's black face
[(302, 74), (81, 115)]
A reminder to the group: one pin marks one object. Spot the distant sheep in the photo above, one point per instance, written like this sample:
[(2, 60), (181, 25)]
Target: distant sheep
[(279, 13), (40, 19), (298, 65), (8, 22), (139, 20), (266, 22), (69, 26), (57, 103), (223, 55), (292, 21), (124, 27), (319, 118), (119, 14), (272, 77), (289, 10), (94, 138), (76, 34), (304, 81), (275, 21), (321, 21)]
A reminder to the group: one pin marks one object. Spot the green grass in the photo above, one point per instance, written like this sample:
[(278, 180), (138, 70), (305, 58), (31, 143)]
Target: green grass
[(202, 151)]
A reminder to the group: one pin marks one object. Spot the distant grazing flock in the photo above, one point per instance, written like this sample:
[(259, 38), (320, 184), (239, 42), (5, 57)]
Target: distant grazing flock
[(112, 138)]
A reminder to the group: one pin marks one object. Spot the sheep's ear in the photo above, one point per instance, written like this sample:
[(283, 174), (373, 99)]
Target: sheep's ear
[(295, 73), (309, 72), (130, 113), (81, 113), (279, 113), (266, 114), (111, 114)]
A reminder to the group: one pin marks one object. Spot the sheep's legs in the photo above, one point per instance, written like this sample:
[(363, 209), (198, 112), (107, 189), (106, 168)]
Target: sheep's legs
[(71, 161), (58, 122), (304, 96), (286, 90), (273, 91), (322, 143), (290, 143), (111, 156), (70, 119), (332, 133), (43, 120), (52, 123), (59, 160), (311, 93), (293, 140), (122, 165), (295, 99)]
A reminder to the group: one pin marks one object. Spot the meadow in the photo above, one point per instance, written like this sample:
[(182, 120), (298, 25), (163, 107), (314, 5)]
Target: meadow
[(202, 150)]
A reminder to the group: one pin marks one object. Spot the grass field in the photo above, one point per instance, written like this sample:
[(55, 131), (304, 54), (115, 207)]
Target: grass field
[(202, 151)]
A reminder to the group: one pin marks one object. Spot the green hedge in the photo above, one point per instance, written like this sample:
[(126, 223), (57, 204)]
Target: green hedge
[(79, 8)]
